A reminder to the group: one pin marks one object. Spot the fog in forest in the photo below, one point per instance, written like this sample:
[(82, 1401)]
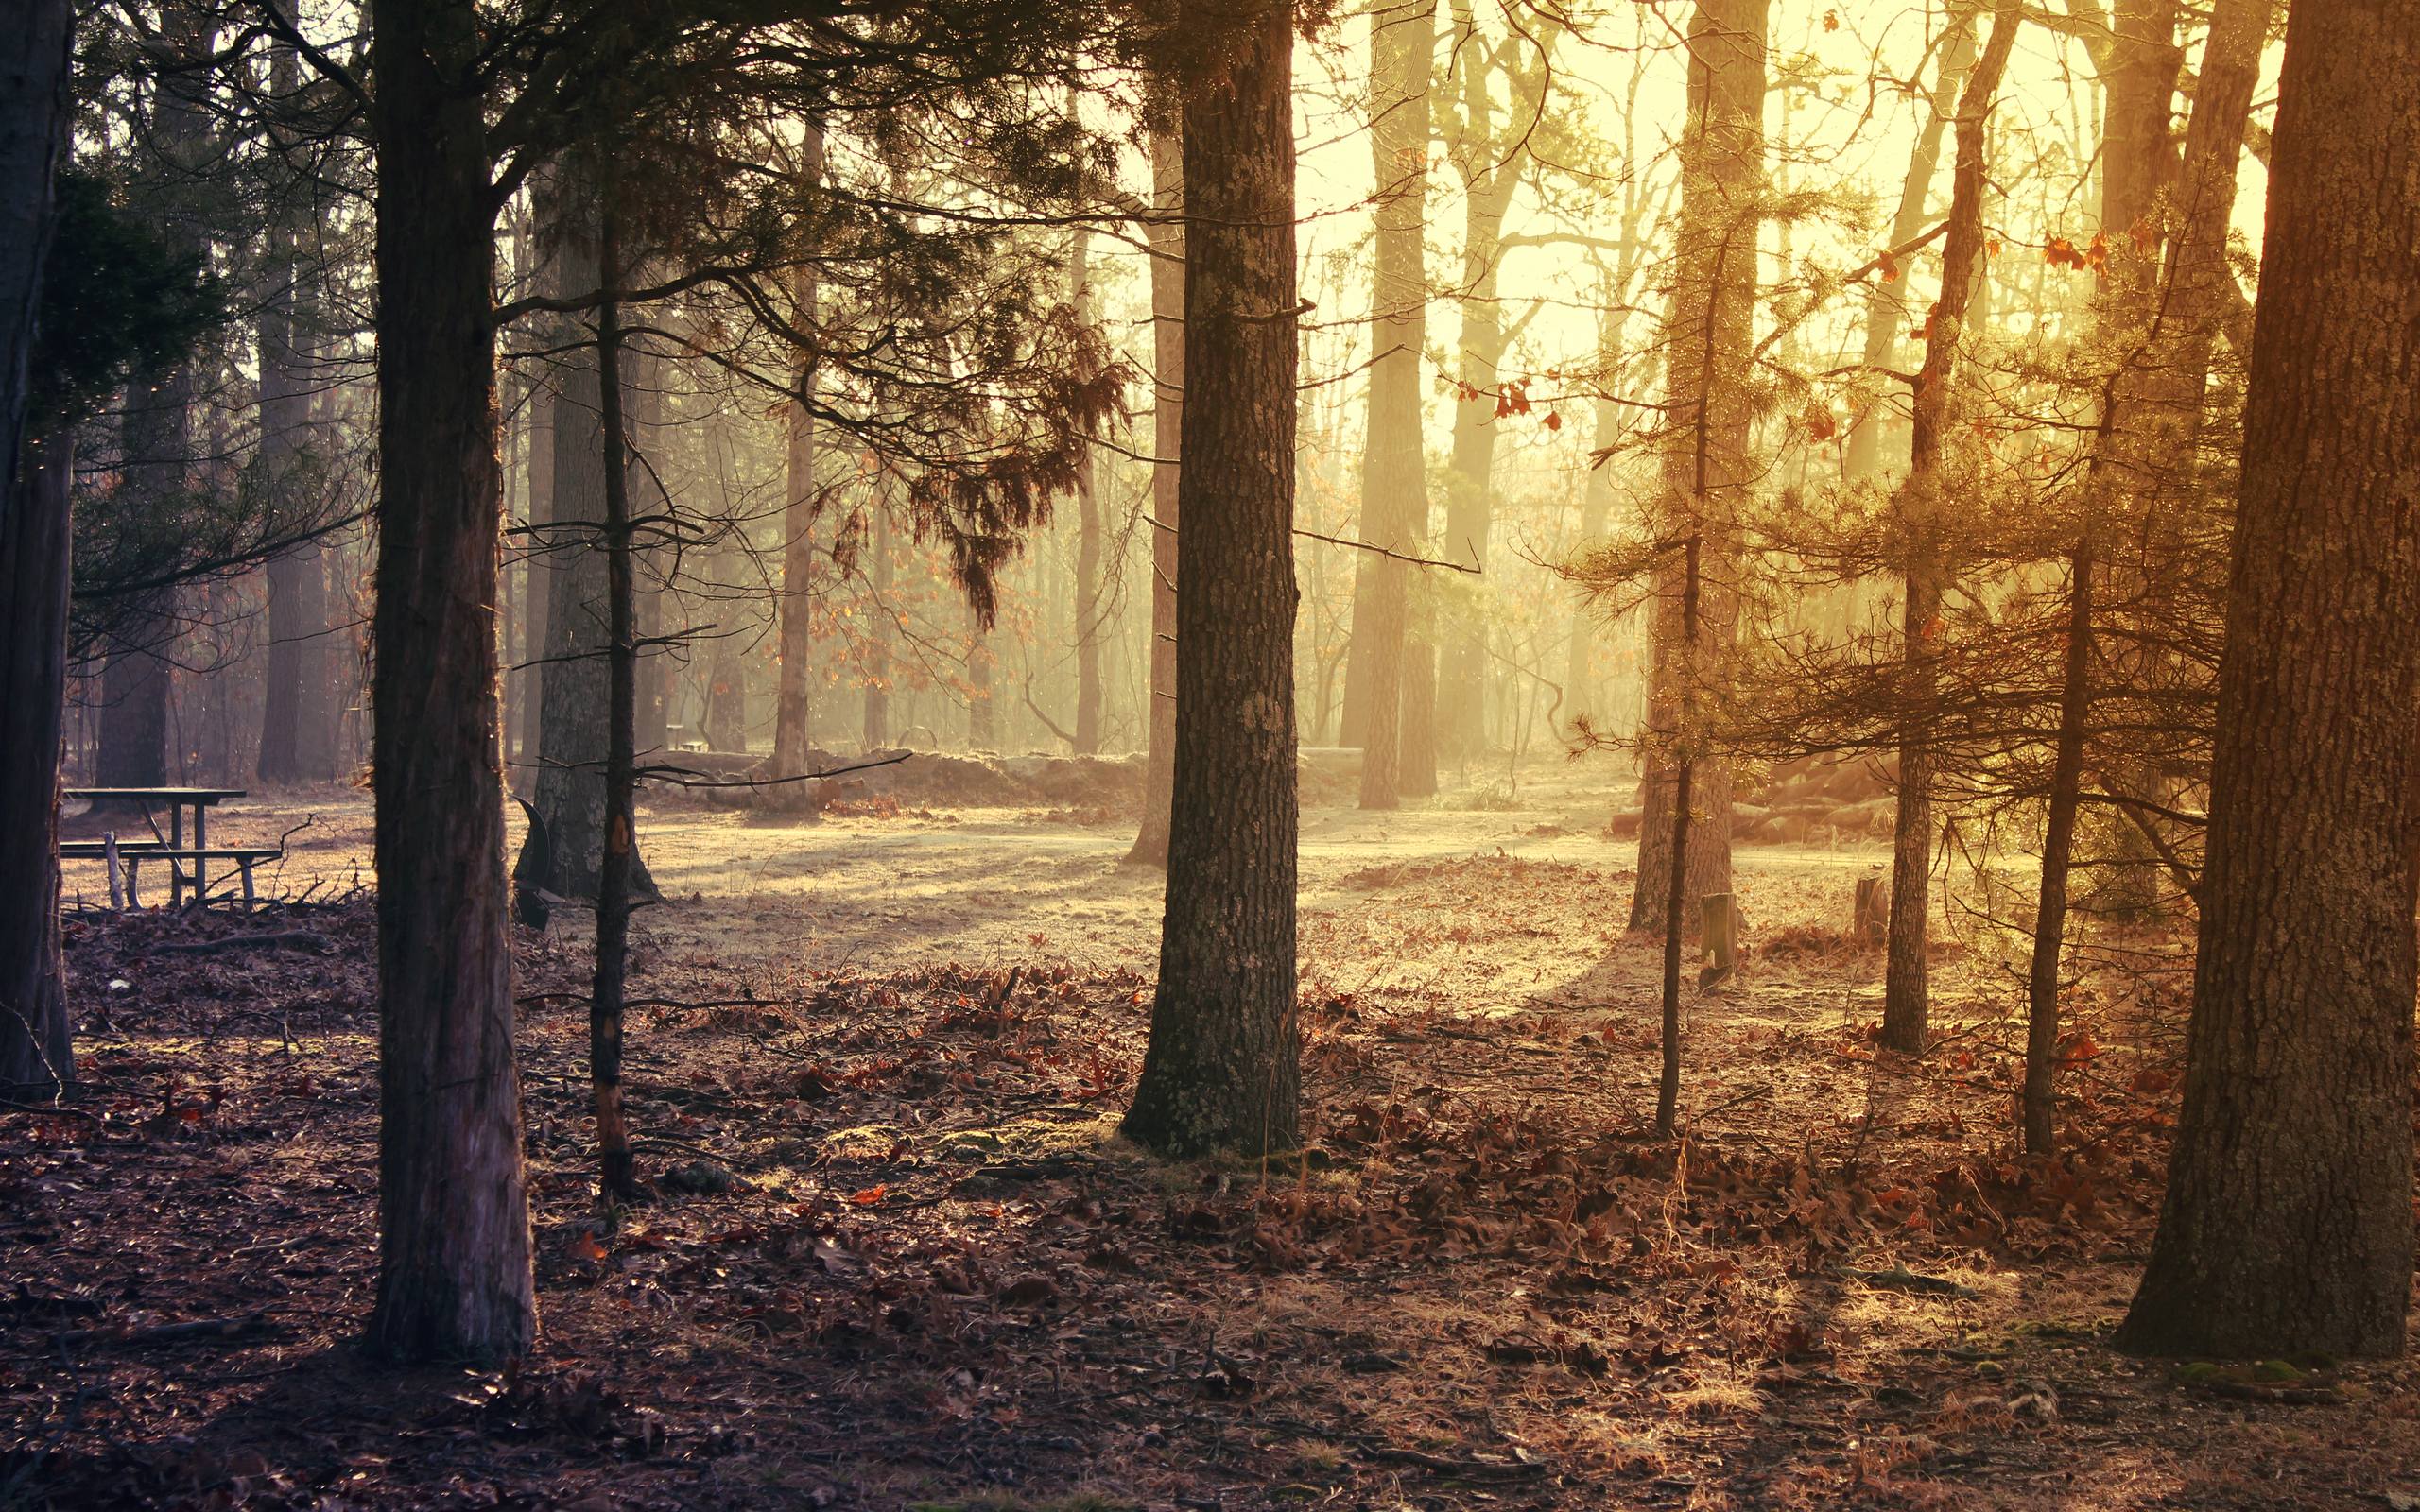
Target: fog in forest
[(1209, 753)]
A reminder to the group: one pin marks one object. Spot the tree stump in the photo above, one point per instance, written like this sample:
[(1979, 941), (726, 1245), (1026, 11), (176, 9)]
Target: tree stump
[(1718, 912), (1870, 919)]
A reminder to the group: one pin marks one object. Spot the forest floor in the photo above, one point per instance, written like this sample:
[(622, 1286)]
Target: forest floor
[(898, 1256)]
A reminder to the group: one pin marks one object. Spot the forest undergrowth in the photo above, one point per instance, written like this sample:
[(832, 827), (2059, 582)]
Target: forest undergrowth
[(894, 1253)]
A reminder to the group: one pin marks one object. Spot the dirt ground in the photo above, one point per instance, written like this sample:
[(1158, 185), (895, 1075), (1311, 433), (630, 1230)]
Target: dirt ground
[(898, 1257)]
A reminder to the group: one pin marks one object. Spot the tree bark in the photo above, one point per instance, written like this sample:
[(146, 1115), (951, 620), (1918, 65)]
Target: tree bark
[(2287, 1220), (454, 1275), (1223, 1070), (34, 114), (1166, 234), (34, 1046), (1925, 568)]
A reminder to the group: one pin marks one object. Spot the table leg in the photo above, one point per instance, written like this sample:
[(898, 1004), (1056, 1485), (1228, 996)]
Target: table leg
[(201, 842), (175, 868)]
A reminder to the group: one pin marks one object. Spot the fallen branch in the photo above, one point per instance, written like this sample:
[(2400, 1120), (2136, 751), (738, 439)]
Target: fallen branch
[(690, 777), (208, 1328), (1900, 1279), (295, 939)]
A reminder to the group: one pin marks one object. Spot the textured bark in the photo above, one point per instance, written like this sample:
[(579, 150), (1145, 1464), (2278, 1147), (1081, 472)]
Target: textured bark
[(1395, 486), (2287, 1220), (33, 133), (34, 1047), (792, 740), (1707, 337), (1222, 1070), (454, 1275), (1167, 236), (1925, 567), (1886, 301)]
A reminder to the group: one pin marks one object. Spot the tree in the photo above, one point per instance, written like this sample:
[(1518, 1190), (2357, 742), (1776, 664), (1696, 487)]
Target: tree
[(117, 298), (1088, 574), (1223, 1070), (792, 742), (1886, 302), (1394, 483), (454, 1274), (1705, 460), (2149, 432), (1492, 151), (297, 728), (1163, 229), (1925, 567), (33, 560), (2287, 1224), (33, 132), (574, 677), (158, 457)]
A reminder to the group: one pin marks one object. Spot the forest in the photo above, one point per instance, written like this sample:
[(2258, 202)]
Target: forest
[(1209, 755)]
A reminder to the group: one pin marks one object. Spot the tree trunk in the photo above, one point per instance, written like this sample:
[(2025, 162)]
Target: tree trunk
[(34, 115), (1905, 996), (297, 739), (982, 717), (1704, 458), (454, 1275), (1676, 871), (1222, 1070), (617, 1175), (135, 683), (1886, 300), (538, 561), (1088, 611), (1166, 234), (1394, 485), (2058, 848), (576, 725), (877, 710), (34, 1047), (793, 742), (2287, 1220)]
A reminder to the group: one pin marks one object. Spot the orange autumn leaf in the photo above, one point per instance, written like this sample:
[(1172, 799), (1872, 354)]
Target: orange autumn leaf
[(867, 1197)]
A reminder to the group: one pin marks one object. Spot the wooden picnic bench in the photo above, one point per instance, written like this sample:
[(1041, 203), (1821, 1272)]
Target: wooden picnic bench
[(125, 857)]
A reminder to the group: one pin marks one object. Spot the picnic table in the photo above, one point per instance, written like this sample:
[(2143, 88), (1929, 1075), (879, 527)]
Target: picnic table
[(171, 846)]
